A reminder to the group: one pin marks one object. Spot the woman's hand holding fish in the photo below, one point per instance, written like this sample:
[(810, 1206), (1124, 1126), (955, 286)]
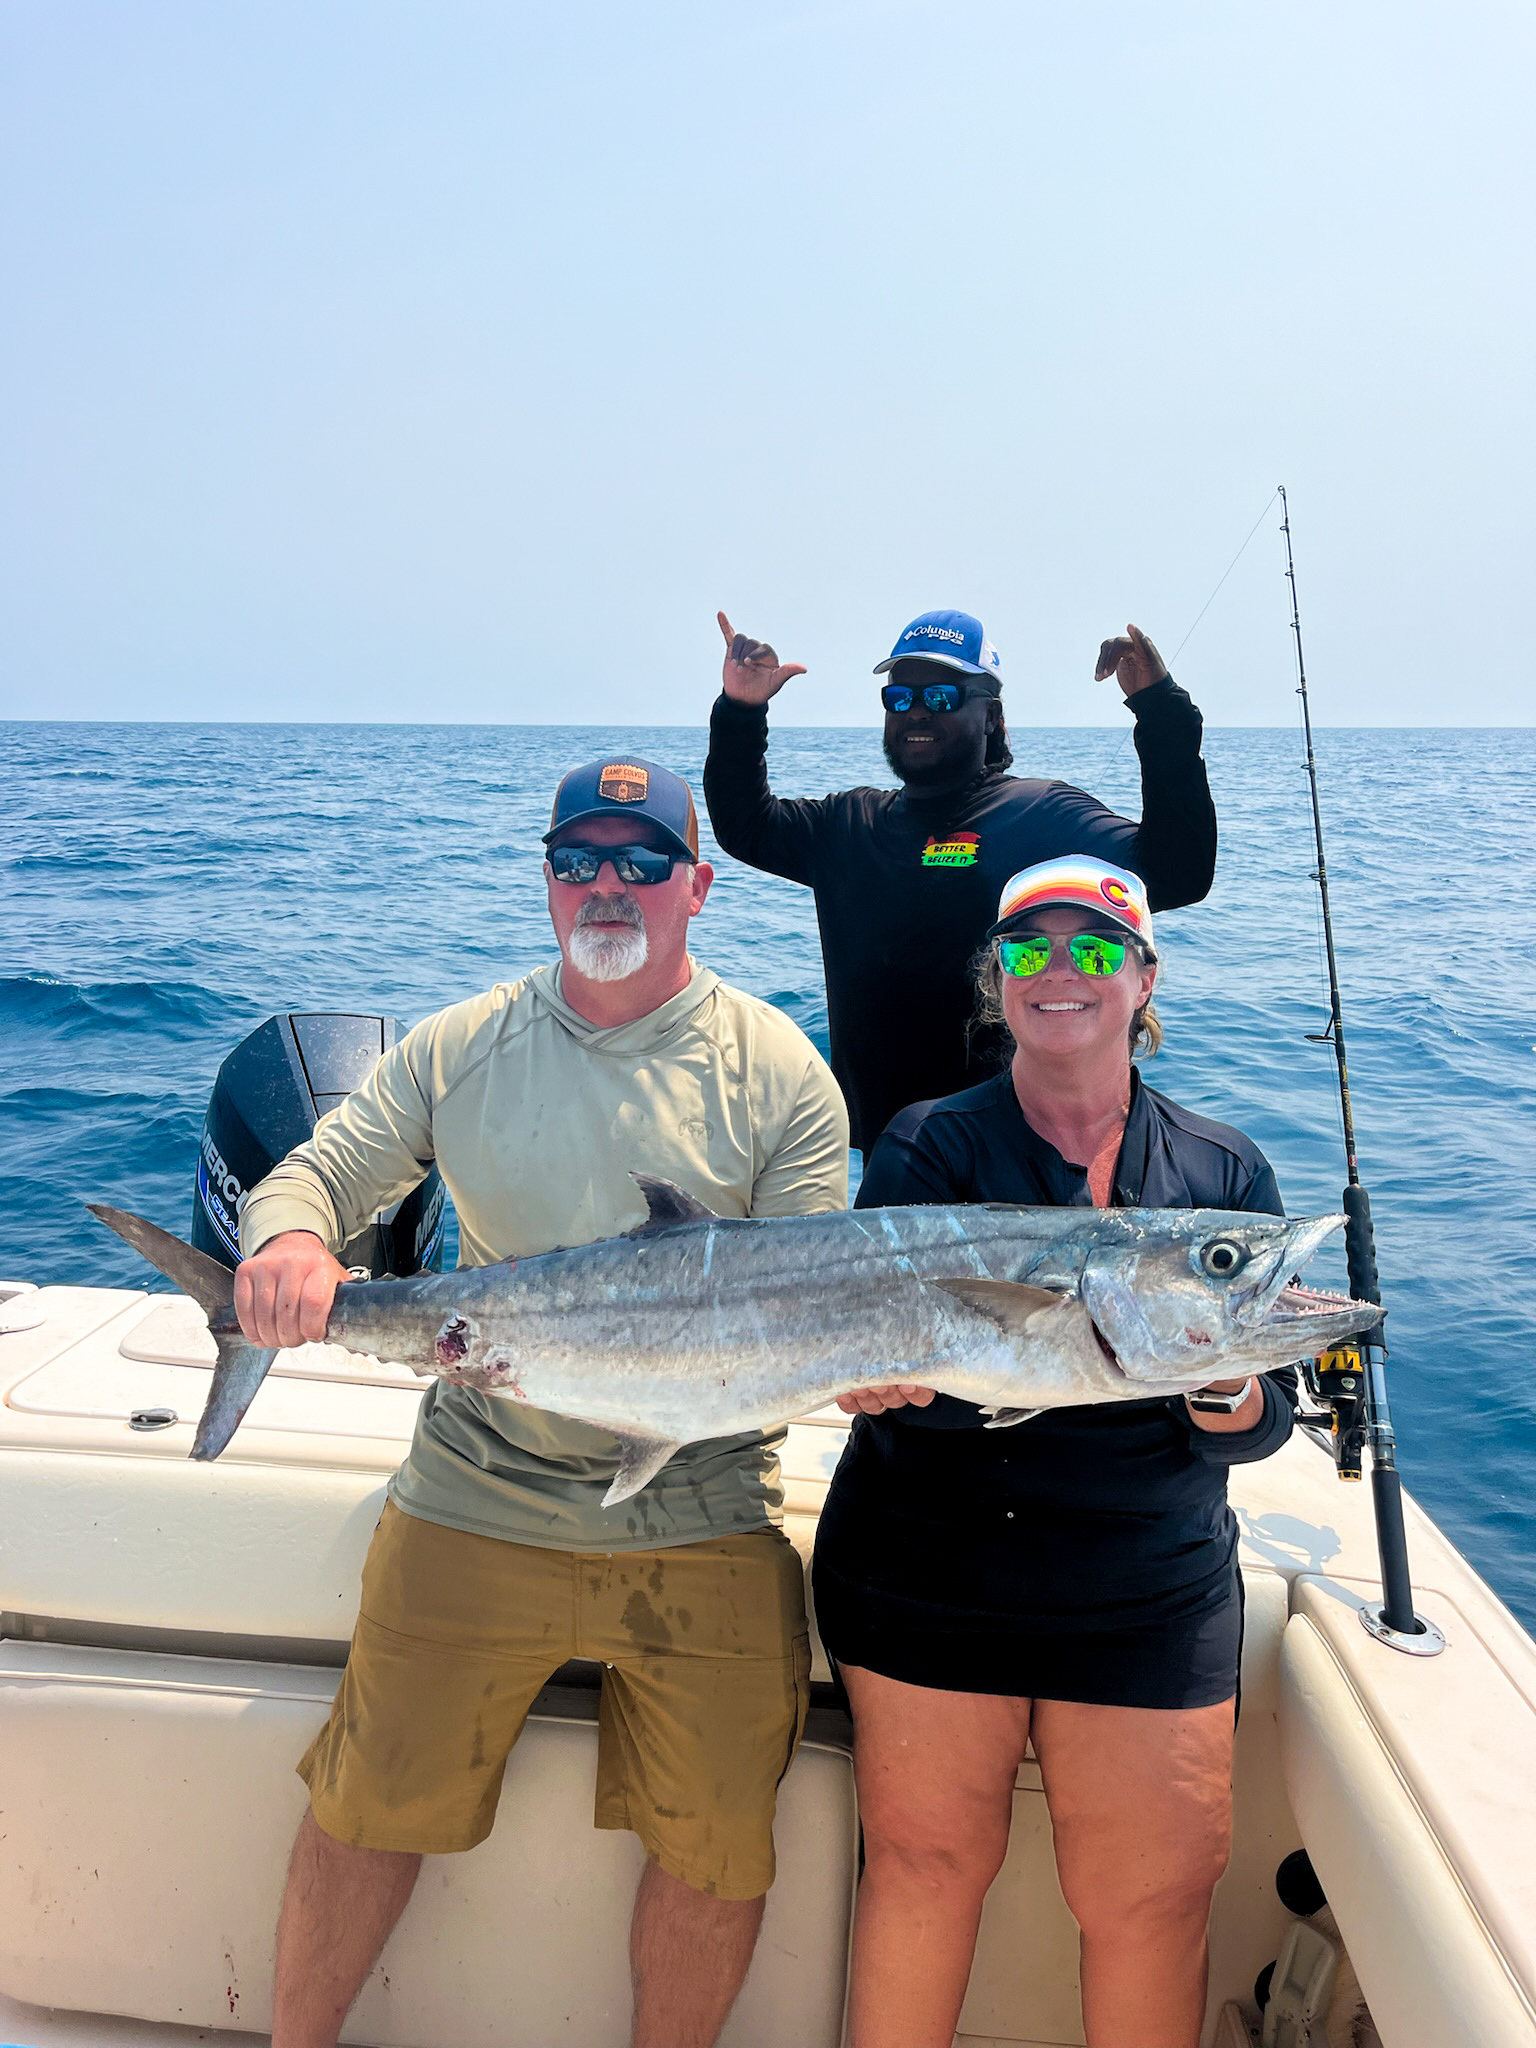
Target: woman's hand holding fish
[(875, 1400), (283, 1294)]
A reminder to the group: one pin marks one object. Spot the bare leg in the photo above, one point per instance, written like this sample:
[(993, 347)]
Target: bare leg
[(1141, 1806), (339, 1908), (935, 1774), (688, 1954)]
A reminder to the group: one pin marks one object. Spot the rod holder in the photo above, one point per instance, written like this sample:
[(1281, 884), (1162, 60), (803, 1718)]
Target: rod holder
[(1392, 1620), (1424, 1641)]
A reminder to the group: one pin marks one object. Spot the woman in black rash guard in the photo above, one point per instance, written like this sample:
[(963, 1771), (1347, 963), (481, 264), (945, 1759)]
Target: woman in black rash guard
[(1071, 1580)]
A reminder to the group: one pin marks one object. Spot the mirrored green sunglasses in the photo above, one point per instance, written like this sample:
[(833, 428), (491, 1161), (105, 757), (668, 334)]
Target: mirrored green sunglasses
[(1090, 953)]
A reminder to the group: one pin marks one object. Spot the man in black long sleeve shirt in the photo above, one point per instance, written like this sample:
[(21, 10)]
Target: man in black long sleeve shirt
[(907, 880)]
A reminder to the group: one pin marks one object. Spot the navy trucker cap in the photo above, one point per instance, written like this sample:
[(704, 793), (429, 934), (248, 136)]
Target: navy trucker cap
[(605, 789), (953, 638)]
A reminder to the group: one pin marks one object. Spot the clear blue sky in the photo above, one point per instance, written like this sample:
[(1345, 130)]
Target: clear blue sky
[(376, 361)]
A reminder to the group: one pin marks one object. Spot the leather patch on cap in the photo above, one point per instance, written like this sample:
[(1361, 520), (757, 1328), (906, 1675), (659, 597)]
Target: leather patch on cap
[(623, 783)]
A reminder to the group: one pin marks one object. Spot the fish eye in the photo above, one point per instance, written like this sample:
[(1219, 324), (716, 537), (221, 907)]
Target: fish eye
[(1222, 1257)]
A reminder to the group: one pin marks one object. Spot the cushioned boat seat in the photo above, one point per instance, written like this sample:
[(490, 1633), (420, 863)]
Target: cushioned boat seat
[(150, 1803)]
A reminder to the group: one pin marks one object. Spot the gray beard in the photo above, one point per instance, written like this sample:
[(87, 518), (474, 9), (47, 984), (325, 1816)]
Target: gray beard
[(607, 955)]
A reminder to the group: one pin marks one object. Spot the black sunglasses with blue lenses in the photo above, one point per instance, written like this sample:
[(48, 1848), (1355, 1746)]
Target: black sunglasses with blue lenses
[(932, 696), (632, 864)]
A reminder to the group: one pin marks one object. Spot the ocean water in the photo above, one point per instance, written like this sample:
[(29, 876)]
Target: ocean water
[(165, 888)]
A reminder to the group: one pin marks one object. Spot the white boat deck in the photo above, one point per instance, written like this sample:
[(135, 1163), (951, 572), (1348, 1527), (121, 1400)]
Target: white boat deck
[(136, 1586)]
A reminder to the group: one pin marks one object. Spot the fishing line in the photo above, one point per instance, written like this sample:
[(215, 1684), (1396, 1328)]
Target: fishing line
[(1277, 493), (1352, 1377), (1119, 747)]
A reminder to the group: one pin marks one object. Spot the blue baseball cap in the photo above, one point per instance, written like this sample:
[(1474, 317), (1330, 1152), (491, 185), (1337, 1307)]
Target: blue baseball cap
[(640, 789), (953, 638)]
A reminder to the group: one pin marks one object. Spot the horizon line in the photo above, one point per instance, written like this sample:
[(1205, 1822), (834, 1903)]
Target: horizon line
[(644, 725)]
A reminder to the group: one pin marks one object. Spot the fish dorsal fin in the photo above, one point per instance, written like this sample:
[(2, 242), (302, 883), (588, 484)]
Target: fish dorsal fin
[(640, 1459), (1008, 1303), (669, 1205)]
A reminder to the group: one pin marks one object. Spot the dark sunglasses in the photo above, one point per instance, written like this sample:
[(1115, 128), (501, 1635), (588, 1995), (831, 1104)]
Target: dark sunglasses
[(932, 696), (639, 865)]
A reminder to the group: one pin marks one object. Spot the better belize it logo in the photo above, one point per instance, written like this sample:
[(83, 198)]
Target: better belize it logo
[(959, 851)]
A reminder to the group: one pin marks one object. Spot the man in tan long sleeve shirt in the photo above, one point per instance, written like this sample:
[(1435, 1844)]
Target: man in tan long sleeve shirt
[(495, 1560)]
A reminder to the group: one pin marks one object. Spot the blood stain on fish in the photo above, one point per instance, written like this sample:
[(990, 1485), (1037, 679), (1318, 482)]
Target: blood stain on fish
[(452, 1344)]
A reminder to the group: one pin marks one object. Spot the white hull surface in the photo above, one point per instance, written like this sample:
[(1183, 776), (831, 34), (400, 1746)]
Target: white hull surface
[(171, 1633)]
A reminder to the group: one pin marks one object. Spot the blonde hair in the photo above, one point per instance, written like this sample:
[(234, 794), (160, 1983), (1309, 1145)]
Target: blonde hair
[(987, 972)]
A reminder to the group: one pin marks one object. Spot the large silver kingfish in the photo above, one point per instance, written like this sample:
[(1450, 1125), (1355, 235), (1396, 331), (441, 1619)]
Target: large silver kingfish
[(696, 1326)]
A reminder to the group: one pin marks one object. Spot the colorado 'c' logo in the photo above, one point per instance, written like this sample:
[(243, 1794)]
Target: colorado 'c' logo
[(1114, 892)]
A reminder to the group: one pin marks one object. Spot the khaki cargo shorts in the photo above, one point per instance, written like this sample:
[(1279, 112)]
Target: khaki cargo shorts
[(706, 1673)]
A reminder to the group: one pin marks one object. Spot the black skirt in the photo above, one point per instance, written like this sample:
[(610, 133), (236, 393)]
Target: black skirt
[(985, 1589)]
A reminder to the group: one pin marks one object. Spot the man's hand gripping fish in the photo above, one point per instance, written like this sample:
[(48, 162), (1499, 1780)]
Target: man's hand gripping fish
[(696, 1326)]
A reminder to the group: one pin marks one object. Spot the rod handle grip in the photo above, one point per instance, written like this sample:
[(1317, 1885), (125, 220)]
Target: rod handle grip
[(1360, 1245)]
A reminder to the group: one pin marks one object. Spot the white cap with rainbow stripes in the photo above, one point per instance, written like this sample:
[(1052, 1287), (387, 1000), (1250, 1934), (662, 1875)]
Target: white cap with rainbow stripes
[(1080, 883)]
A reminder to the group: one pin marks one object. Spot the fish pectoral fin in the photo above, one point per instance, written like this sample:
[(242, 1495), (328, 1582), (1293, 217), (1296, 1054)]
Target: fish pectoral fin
[(668, 1204), (1005, 1418), (1008, 1303), (640, 1459)]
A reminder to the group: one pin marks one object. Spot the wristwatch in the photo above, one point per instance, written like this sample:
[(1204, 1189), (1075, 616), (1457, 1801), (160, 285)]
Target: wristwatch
[(1207, 1402)]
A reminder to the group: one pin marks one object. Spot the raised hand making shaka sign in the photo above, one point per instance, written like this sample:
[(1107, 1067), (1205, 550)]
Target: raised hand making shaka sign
[(753, 672), (1133, 661)]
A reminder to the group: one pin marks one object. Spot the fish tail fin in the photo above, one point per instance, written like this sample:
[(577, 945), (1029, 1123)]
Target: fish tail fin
[(240, 1371), (242, 1365), (210, 1285)]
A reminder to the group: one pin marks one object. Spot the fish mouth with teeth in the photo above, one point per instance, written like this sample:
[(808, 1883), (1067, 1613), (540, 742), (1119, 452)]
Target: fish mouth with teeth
[(1299, 1305), (1164, 1307)]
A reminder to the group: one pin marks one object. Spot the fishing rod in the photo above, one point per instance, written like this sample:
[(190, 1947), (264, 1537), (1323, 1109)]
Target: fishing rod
[(1352, 1378)]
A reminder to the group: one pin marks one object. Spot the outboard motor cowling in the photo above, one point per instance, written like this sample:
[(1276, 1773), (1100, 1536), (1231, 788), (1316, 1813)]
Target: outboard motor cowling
[(268, 1096)]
